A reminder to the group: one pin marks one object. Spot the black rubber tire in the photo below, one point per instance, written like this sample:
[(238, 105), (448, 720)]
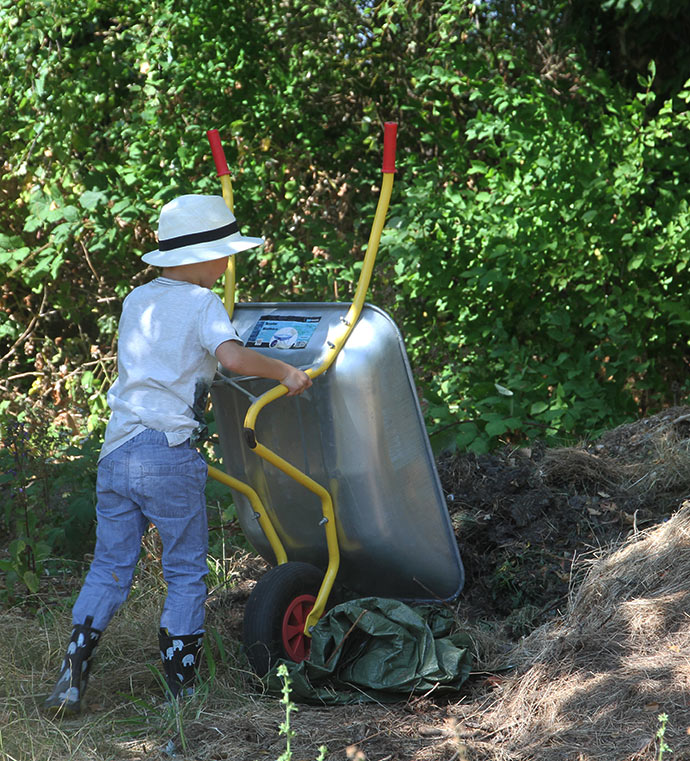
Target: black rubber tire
[(266, 607)]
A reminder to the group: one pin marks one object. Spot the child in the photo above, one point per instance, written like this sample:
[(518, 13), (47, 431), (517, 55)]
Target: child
[(172, 333)]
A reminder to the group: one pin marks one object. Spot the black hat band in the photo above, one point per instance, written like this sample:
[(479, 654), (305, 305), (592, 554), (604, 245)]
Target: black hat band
[(203, 237)]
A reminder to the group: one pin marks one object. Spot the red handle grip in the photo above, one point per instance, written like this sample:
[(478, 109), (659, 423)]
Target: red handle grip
[(390, 133), (217, 151)]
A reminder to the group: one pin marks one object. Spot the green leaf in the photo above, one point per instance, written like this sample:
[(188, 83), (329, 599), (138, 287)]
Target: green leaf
[(31, 581), (496, 428), (90, 199)]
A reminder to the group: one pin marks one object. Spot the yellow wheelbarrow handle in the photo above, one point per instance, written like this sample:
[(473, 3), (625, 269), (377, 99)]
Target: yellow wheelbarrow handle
[(226, 189), (334, 348)]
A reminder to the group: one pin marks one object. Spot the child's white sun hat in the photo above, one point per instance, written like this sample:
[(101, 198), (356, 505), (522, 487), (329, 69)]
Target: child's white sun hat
[(197, 228)]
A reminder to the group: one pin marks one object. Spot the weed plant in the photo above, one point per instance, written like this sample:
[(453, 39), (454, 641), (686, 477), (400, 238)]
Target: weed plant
[(286, 726), (660, 736)]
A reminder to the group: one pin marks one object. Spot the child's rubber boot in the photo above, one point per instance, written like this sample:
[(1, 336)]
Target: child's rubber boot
[(181, 656), (68, 692)]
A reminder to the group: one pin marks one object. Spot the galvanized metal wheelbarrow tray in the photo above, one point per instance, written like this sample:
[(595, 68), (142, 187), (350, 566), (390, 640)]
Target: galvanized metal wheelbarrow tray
[(341, 478)]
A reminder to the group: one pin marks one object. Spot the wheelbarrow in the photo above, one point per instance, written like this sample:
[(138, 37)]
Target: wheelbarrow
[(338, 484)]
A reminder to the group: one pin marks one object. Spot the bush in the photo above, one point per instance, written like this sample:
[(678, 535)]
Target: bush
[(48, 490)]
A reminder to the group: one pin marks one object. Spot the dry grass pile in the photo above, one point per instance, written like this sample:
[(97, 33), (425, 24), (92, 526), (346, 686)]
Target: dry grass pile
[(577, 467), (651, 459), (646, 462), (591, 686)]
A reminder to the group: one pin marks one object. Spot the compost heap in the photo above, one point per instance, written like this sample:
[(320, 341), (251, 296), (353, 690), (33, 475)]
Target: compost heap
[(524, 517), (592, 682)]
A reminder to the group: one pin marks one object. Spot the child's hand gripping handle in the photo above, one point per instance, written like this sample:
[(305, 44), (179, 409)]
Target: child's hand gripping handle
[(390, 133), (218, 153)]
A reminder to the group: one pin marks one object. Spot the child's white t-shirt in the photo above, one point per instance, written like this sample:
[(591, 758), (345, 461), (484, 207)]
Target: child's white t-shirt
[(168, 334)]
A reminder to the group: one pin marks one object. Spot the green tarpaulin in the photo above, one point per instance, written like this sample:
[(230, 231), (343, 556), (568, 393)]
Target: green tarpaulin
[(375, 649)]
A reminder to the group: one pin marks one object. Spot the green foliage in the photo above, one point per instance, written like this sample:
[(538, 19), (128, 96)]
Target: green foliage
[(624, 36), (557, 270), (538, 231), (47, 486)]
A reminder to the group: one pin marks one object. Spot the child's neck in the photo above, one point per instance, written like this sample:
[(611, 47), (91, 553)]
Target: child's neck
[(204, 273), (184, 272)]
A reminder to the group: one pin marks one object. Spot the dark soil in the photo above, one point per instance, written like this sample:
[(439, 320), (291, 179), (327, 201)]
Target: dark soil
[(522, 515)]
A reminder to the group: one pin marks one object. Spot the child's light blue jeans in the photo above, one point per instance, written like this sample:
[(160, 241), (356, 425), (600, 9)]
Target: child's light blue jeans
[(146, 481)]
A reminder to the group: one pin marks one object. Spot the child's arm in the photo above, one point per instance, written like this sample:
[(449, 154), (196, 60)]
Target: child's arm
[(243, 361)]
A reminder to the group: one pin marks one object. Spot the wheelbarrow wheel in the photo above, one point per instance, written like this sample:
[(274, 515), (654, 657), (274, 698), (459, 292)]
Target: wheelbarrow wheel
[(275, 614)]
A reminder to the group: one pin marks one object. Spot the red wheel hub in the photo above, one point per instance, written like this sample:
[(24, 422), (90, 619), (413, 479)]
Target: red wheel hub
[(295, 642)]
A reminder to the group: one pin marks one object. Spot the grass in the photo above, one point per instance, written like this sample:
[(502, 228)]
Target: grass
[(127, 716), (567, 688)]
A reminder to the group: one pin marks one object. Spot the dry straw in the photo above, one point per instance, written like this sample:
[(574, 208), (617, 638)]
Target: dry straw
[(590, 687)]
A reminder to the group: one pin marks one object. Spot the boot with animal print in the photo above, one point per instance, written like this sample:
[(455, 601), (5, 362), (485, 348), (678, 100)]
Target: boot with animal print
[(69, 690), (181, 656)]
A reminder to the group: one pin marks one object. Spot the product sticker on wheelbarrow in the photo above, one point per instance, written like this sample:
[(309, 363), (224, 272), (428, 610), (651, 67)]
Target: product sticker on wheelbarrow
[(282, 331)]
